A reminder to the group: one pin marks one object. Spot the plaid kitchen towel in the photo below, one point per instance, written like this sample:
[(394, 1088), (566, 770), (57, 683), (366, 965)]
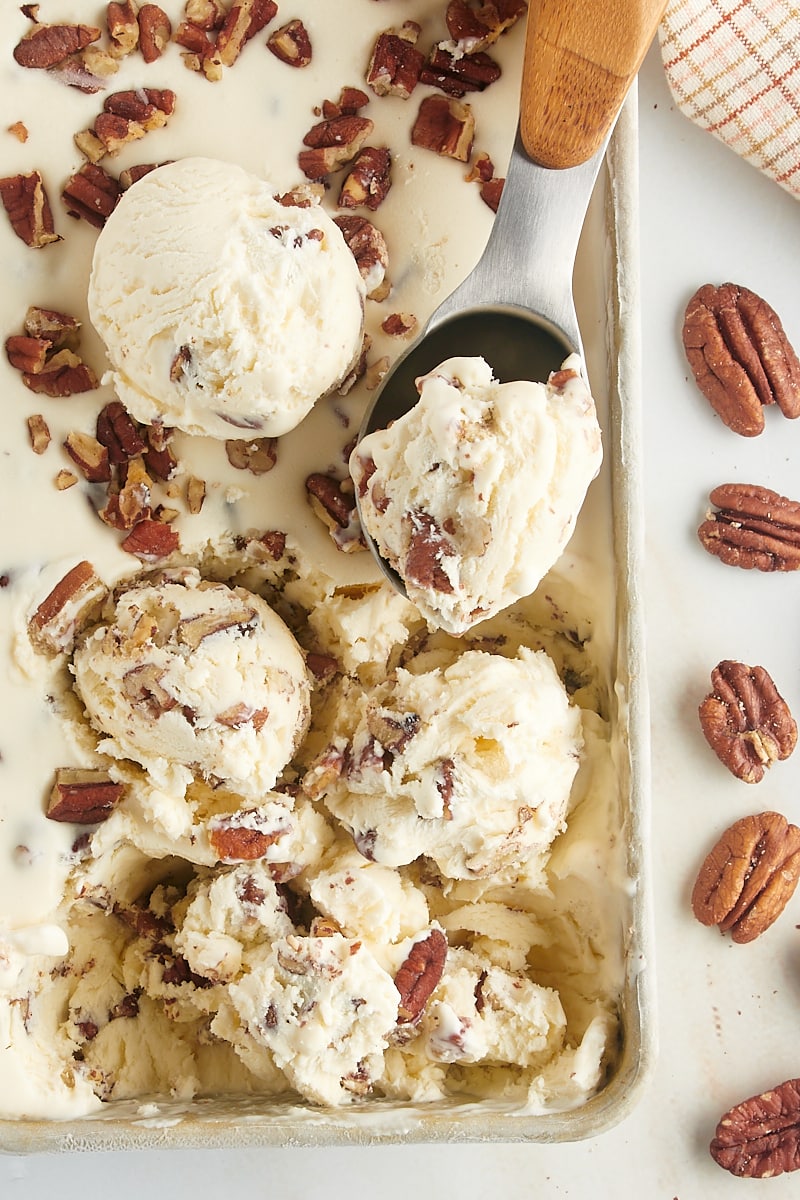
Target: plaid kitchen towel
[(733, 66)]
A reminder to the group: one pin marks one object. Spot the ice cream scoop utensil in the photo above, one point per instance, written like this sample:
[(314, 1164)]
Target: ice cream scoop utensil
[(516, 308)]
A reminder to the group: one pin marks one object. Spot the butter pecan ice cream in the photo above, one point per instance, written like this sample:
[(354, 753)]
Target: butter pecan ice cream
[(473, 494), (192, 678), (221, 308)]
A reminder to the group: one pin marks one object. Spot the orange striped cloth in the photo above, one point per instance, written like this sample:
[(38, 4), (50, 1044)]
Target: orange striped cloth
[(733, 66)]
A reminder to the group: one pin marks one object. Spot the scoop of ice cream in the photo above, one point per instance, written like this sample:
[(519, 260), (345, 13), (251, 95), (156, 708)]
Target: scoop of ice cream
[(325, 1009), (471, 765), (221, 308), (196, 674), (473, 494)]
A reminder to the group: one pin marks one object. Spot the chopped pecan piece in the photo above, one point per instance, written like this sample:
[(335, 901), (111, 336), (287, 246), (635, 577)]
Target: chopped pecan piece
[(195, 494), (20, 131), (132, 175), (368, 247), (446, 126), (83, 797), (419, 975), (322, 666), (740, 356), (457, 74), (129, 505), (39, 433), (475, 25), (25, 200), (243, 714), (123, 27), (57, 328), (359, 367), (194, 630), (206, 14), (63, 375), (243, 836), (244, 19), (291, 44), (273, 543), (91, 194), (329, 766), (151, 541), (427, 546), (492, 192), (753, 528), (155, 30), (332, 143), (257, 456), (28, 354), (73, 602), (45, 46), (351, 101), (65, 479), (395, 63), (142, 686), (749, 876), (369, 179), (88, 454), (333, 501), (399, 324), (760, 1137), (119, 433), (393, 732), (126, 117), (746, 721)]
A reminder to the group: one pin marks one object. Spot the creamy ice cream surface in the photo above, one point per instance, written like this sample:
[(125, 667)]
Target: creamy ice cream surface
[(472, 495), (199, 676), (221, 308), (272, 837)]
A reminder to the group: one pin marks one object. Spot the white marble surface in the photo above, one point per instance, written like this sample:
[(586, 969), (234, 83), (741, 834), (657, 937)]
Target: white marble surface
[(727, 1014)]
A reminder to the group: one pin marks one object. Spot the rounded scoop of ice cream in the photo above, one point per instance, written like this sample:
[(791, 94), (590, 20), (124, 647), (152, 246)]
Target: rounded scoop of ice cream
[(473, 494), (199, 678), (223, 311), (470, 765)]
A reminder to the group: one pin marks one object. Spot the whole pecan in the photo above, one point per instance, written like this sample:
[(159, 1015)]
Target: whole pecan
[(754, 527), (419, 975), (746, 721), (760, 1137), (749, 876), (740, 356)]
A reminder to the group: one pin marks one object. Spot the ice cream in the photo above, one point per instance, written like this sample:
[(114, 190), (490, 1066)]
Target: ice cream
[(189, 677), (470, 765), (412, 846), (223, 307), (472, 495)]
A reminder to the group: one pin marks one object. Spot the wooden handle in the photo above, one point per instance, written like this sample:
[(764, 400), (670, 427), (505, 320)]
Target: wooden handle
[(581, 56)]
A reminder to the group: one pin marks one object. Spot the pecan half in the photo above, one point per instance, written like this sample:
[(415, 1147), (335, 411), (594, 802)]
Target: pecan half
[(155, 31), (760, 1137), (749, 876), (72, 603), (753, 528), (25, 200), (746, 721), (119, 433), (419, 975), (740, 356), (291, 44), (446, 126), (83, 797), (45, 46), (395, 63), (126, 117)]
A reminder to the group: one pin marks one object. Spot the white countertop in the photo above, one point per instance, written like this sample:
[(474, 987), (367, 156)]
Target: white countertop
[(727, 1014)]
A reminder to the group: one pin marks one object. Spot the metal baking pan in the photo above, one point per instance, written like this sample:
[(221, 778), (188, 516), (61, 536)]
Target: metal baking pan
[(609, 535)]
